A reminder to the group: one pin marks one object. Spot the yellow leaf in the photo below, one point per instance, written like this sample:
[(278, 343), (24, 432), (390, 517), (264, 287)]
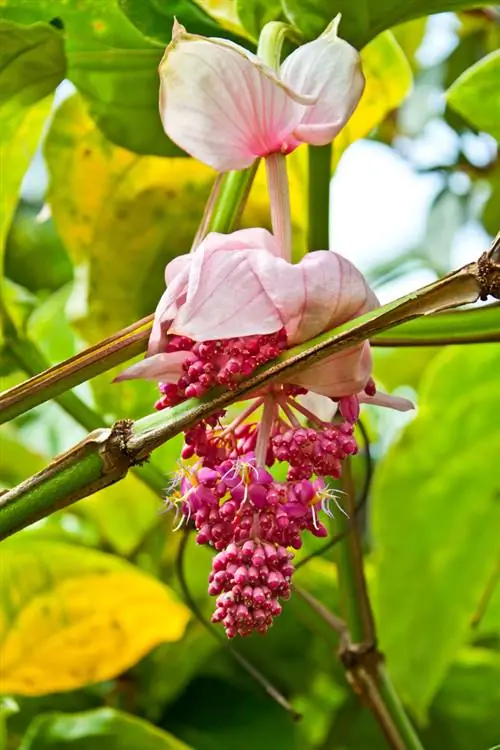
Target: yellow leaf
[(122, 215), (388, 81), (72, 616), (225, 13)]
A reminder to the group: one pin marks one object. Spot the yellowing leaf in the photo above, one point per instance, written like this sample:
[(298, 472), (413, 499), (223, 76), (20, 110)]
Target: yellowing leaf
[(225, 13), (71, 616), (388, 81), (123, 215)]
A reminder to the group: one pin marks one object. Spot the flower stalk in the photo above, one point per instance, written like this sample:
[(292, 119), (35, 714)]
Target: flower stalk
[(318, 190)]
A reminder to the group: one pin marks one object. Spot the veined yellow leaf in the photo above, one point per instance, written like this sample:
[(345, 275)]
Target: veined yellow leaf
[(72, 616)]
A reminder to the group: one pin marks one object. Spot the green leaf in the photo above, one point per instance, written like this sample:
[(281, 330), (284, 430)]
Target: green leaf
[(124, 513), (112, 64), (254, 14), (93, 615), (466, 710), (362, 19), (32, 64), (461, 326), (30, 238), (155, 19), (104, 727), (17, 460), (436, 488), (249, 718), (109, 203), (476, 95)]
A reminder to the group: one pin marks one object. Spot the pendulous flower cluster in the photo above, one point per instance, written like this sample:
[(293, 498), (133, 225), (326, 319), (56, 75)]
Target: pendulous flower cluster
[(238, 302)]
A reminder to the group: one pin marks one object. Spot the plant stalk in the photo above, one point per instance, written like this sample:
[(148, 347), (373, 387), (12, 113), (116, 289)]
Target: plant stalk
[(318, 190), (360, 657), (32, 361)]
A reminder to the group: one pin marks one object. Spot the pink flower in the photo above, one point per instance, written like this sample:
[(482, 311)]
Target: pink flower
[(226, 107), (237, 285)]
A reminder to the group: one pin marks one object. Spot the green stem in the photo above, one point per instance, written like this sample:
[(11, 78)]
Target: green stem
[(374, 681), (320, 158), (231, 199), (354, 602), (395, 709), (32, 361)]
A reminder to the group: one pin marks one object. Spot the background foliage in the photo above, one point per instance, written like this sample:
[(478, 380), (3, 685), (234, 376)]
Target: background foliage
[(97, 645)]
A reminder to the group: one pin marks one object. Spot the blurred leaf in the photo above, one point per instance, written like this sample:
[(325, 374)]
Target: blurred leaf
[(466, 710), (32, 64), (102, 727), (17, 461), (409, 36), (436, 487), (476, 95), (50, 317), (124, 513), (254, 14), (444, 219), (388, 81), (111, 204), (165, 672), (229, 717), (491, 217), (225, 13), (402, 366), (362, 19), (489, 609), (112, 64), (31, 237), (481, 323), (72, 616), (155, 19)]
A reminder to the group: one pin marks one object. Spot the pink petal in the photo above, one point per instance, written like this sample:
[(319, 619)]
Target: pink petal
[(330, 70), (226, 296), (341, 374), (166, 367), (170, 301), (385, 399), (223, 105), (334, 291)]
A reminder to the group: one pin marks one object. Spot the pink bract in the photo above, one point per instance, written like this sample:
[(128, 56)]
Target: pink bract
[(225, 107), (237, 285)]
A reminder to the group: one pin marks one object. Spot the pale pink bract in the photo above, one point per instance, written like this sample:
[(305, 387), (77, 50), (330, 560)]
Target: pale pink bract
[(226, 107)]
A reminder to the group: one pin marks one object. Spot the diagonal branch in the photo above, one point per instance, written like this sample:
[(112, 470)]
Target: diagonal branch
[(464, 327), (105, 455)]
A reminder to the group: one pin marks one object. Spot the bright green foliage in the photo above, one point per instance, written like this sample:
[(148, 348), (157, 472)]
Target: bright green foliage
[(84, 731), (363, 19), (32, 64), (476, 95), (452, 515)]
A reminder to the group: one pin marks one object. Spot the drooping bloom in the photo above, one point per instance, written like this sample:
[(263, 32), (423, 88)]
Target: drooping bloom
[(226, 107), (230, 306)]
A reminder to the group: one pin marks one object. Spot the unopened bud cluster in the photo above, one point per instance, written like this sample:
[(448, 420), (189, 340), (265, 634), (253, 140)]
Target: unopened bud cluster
[(237, 506)]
